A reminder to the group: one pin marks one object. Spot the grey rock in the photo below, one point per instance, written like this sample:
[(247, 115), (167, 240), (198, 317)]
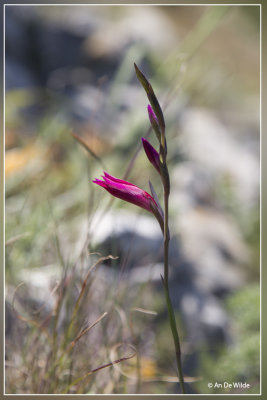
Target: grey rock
[(153, 31), (207, 142), (18, 75), (212, 242)]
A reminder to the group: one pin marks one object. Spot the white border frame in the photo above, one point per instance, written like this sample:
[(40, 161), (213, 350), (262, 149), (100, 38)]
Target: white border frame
[(260, 120)]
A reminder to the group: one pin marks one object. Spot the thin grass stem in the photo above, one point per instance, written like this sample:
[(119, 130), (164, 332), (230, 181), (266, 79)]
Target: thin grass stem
[(166, 290)]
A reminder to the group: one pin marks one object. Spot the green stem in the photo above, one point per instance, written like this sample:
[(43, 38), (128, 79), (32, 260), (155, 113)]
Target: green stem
[(166, 290), (166, 240)]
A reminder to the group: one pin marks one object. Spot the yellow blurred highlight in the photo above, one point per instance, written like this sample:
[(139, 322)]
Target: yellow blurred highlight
[(17, 159), (95, 142), (148, 367), (149, 371)]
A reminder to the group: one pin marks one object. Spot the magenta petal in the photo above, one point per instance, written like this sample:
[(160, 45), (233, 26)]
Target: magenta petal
[(123, 186), (127, 191), (112, 178), (100, 183)]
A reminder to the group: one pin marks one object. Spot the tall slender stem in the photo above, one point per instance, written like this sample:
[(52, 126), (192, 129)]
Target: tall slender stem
[(166, 290), (158, 124), (166, 239)]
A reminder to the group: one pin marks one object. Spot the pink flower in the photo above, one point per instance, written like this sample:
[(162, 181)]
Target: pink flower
[(152, 154), (127, 191)]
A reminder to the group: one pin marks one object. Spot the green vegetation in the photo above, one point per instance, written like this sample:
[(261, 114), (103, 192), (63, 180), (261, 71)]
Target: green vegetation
[(239, 361)]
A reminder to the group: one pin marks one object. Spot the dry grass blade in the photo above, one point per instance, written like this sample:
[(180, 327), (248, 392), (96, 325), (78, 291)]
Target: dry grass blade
[(76, 307), (87, 148), (14, 294), (144, 311), (85, 330), (109, 257), (87, 276), (117, 361), (29, 321), (55, 288), (123, 318), (93, 253), (172, 379), (156, 378), (16, 238)]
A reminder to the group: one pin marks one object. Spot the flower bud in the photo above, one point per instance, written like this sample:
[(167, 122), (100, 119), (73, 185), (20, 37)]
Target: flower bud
[(154, 122), (152, 154)]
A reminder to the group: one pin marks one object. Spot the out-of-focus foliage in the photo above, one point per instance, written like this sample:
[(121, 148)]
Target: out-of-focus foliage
[(239, 361)]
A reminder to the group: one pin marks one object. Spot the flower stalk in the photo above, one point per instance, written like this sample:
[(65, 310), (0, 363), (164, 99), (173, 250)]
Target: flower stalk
[(158, 124)]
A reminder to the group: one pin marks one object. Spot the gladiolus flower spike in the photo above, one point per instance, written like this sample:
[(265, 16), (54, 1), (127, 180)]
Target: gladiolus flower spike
[(157, 121), (132, 194)]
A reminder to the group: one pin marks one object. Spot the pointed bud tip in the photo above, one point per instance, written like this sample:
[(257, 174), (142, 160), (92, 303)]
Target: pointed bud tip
[(137, 70)]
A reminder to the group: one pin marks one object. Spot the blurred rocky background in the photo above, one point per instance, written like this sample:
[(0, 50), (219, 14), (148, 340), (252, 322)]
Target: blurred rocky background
[(69, 69)]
